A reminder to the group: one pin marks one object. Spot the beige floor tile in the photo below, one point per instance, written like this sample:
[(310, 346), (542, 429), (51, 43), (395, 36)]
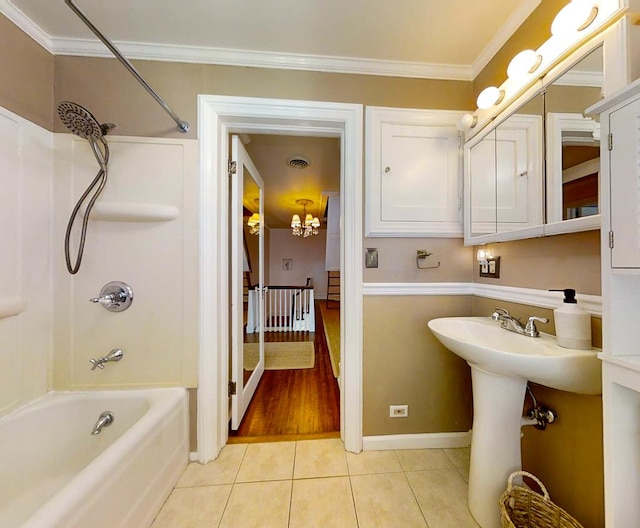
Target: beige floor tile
[(442, 495), (258, 505), (222, 470), (199, 507), (386, 501), (419, 459), (464, 473), (320, 458), (322, 503), (369, 462), (459, 456), (270, 461)]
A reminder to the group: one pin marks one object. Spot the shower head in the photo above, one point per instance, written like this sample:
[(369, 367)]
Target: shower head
[(81, 122)]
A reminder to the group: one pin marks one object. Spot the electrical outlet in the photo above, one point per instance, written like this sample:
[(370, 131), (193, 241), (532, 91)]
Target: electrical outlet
[(398, 411)]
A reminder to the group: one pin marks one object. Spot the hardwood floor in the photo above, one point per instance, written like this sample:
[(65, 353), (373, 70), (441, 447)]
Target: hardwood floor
[(294, 404)]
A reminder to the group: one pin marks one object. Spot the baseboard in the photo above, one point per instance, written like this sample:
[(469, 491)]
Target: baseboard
[(194, 456), (416, 441)]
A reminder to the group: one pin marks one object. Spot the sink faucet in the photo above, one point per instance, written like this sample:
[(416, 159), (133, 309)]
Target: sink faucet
[(513, 324), (105, 419)]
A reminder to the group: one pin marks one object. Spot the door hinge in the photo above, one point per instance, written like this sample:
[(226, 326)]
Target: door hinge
[(232, 167), (610, 141), (459, 202), (232, 388), (611, 239)]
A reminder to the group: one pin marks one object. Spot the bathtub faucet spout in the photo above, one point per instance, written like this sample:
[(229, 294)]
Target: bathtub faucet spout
[(105, 419)]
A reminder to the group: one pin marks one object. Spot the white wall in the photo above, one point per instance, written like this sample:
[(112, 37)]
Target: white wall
[(25, 278), (307, 255), (157, 257)]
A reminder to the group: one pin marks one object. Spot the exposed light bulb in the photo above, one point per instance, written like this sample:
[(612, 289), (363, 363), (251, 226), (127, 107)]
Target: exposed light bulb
[(575, 16), (489, 97), (466, 122), (524, 63)]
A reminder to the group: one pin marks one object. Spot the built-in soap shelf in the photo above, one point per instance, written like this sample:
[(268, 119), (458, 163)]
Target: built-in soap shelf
[(111, 211), (11, 306)]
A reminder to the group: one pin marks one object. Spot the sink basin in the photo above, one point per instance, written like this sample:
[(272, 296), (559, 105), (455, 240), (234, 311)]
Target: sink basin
[(501, 364), (481, 341)]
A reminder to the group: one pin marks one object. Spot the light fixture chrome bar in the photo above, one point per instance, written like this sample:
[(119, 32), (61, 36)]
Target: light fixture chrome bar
[(183, 126)]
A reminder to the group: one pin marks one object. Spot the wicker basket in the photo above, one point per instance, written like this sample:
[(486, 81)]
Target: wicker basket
[(521, 507)]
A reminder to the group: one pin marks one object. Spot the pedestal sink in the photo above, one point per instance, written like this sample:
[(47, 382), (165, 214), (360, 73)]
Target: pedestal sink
[(501, 364)]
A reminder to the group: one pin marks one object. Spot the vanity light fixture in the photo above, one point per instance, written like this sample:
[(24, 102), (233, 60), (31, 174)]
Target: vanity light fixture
[(524, 63), (254, 224), (575, 16), (489, 97), (466, 122)]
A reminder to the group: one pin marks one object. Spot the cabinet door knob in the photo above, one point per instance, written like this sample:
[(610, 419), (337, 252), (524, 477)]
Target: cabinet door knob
[(387, 169)]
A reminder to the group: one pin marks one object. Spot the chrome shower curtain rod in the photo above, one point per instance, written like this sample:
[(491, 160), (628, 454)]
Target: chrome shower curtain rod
[(183, 126)]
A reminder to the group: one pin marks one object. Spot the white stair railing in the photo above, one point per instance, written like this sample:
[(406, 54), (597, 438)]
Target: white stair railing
[(286, 309)]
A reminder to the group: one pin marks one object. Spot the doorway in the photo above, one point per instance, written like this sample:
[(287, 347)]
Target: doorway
[(283, 286), (218, 117)]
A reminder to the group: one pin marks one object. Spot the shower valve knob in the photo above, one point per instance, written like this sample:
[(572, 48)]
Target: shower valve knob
[(114, 296)]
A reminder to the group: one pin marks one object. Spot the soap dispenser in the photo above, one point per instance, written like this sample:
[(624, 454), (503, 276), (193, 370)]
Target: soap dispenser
[(573, 324)]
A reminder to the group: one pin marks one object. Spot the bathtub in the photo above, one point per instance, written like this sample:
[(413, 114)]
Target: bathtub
[(55, 474)]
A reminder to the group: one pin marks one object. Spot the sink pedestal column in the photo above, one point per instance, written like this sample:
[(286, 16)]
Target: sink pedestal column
[(495, 444)]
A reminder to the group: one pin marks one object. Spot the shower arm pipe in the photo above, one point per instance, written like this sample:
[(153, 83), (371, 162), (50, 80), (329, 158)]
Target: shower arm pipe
[(183, 126)]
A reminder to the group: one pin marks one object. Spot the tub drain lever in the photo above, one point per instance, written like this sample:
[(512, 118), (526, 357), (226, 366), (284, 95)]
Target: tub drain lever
[(115, 355)]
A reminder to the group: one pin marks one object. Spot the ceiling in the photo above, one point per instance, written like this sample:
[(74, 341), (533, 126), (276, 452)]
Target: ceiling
[(418, 38), (283, 185)]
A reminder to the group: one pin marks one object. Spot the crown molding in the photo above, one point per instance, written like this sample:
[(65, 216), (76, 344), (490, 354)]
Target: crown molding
[(263, 59), (581, 78), (506, 32)]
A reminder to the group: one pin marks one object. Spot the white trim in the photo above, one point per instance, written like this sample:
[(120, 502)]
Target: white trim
[(415, 288), (528, 296), (217, 117), (264, 59), (416, 441), (581, 78), (503, 35)]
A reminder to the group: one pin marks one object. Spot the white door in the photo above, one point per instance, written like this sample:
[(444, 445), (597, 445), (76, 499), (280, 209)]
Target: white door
[(247, 280)]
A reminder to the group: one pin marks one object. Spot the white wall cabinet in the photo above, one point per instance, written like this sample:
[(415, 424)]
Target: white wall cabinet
[(620, 188), (413, 178)]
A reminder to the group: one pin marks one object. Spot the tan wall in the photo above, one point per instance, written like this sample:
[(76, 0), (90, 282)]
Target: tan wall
[(27, 76), (397, 260), (530, 35), (568, 455), (404, 364), (109, 91), (562, 261)]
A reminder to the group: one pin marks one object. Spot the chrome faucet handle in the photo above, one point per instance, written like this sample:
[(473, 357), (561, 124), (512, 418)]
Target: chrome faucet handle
[(115, 355), (498, 313), (114, 296), (531, 330)]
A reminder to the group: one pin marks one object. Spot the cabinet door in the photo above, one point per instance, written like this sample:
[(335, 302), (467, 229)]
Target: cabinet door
[(624, 162), (413, 174)]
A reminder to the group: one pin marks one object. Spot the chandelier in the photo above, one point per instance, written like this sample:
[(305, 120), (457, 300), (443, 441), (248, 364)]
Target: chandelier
[(311, 223), (254, 224)]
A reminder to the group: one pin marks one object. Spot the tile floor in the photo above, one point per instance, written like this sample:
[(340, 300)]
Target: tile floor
[(315, 483)]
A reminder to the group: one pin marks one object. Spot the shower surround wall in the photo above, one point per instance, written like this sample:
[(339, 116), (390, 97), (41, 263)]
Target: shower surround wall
[(143, 231), (26, 300)]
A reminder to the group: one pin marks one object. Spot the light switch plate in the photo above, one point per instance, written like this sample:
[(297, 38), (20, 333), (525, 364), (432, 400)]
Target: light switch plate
[(491, 269), (371, 258)]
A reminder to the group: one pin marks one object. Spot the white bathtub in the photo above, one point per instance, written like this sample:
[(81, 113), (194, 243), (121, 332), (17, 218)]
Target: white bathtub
[(55, 474)]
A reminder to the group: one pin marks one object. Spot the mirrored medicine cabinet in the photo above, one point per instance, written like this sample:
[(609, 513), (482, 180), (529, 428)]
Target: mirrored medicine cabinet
[(534, 170)]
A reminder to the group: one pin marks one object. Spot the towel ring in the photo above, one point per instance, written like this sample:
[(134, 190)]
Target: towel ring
[(423, 255)]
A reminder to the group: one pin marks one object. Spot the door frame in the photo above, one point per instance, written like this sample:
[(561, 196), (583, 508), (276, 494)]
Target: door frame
[(218, 116)]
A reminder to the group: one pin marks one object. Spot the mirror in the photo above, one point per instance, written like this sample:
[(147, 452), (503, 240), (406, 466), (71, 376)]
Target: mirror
[(573, 144), (519, 173), (536, 172)]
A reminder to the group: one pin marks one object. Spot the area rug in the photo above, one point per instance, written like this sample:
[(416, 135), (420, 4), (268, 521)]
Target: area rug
[(331, 323), (281, 356)]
